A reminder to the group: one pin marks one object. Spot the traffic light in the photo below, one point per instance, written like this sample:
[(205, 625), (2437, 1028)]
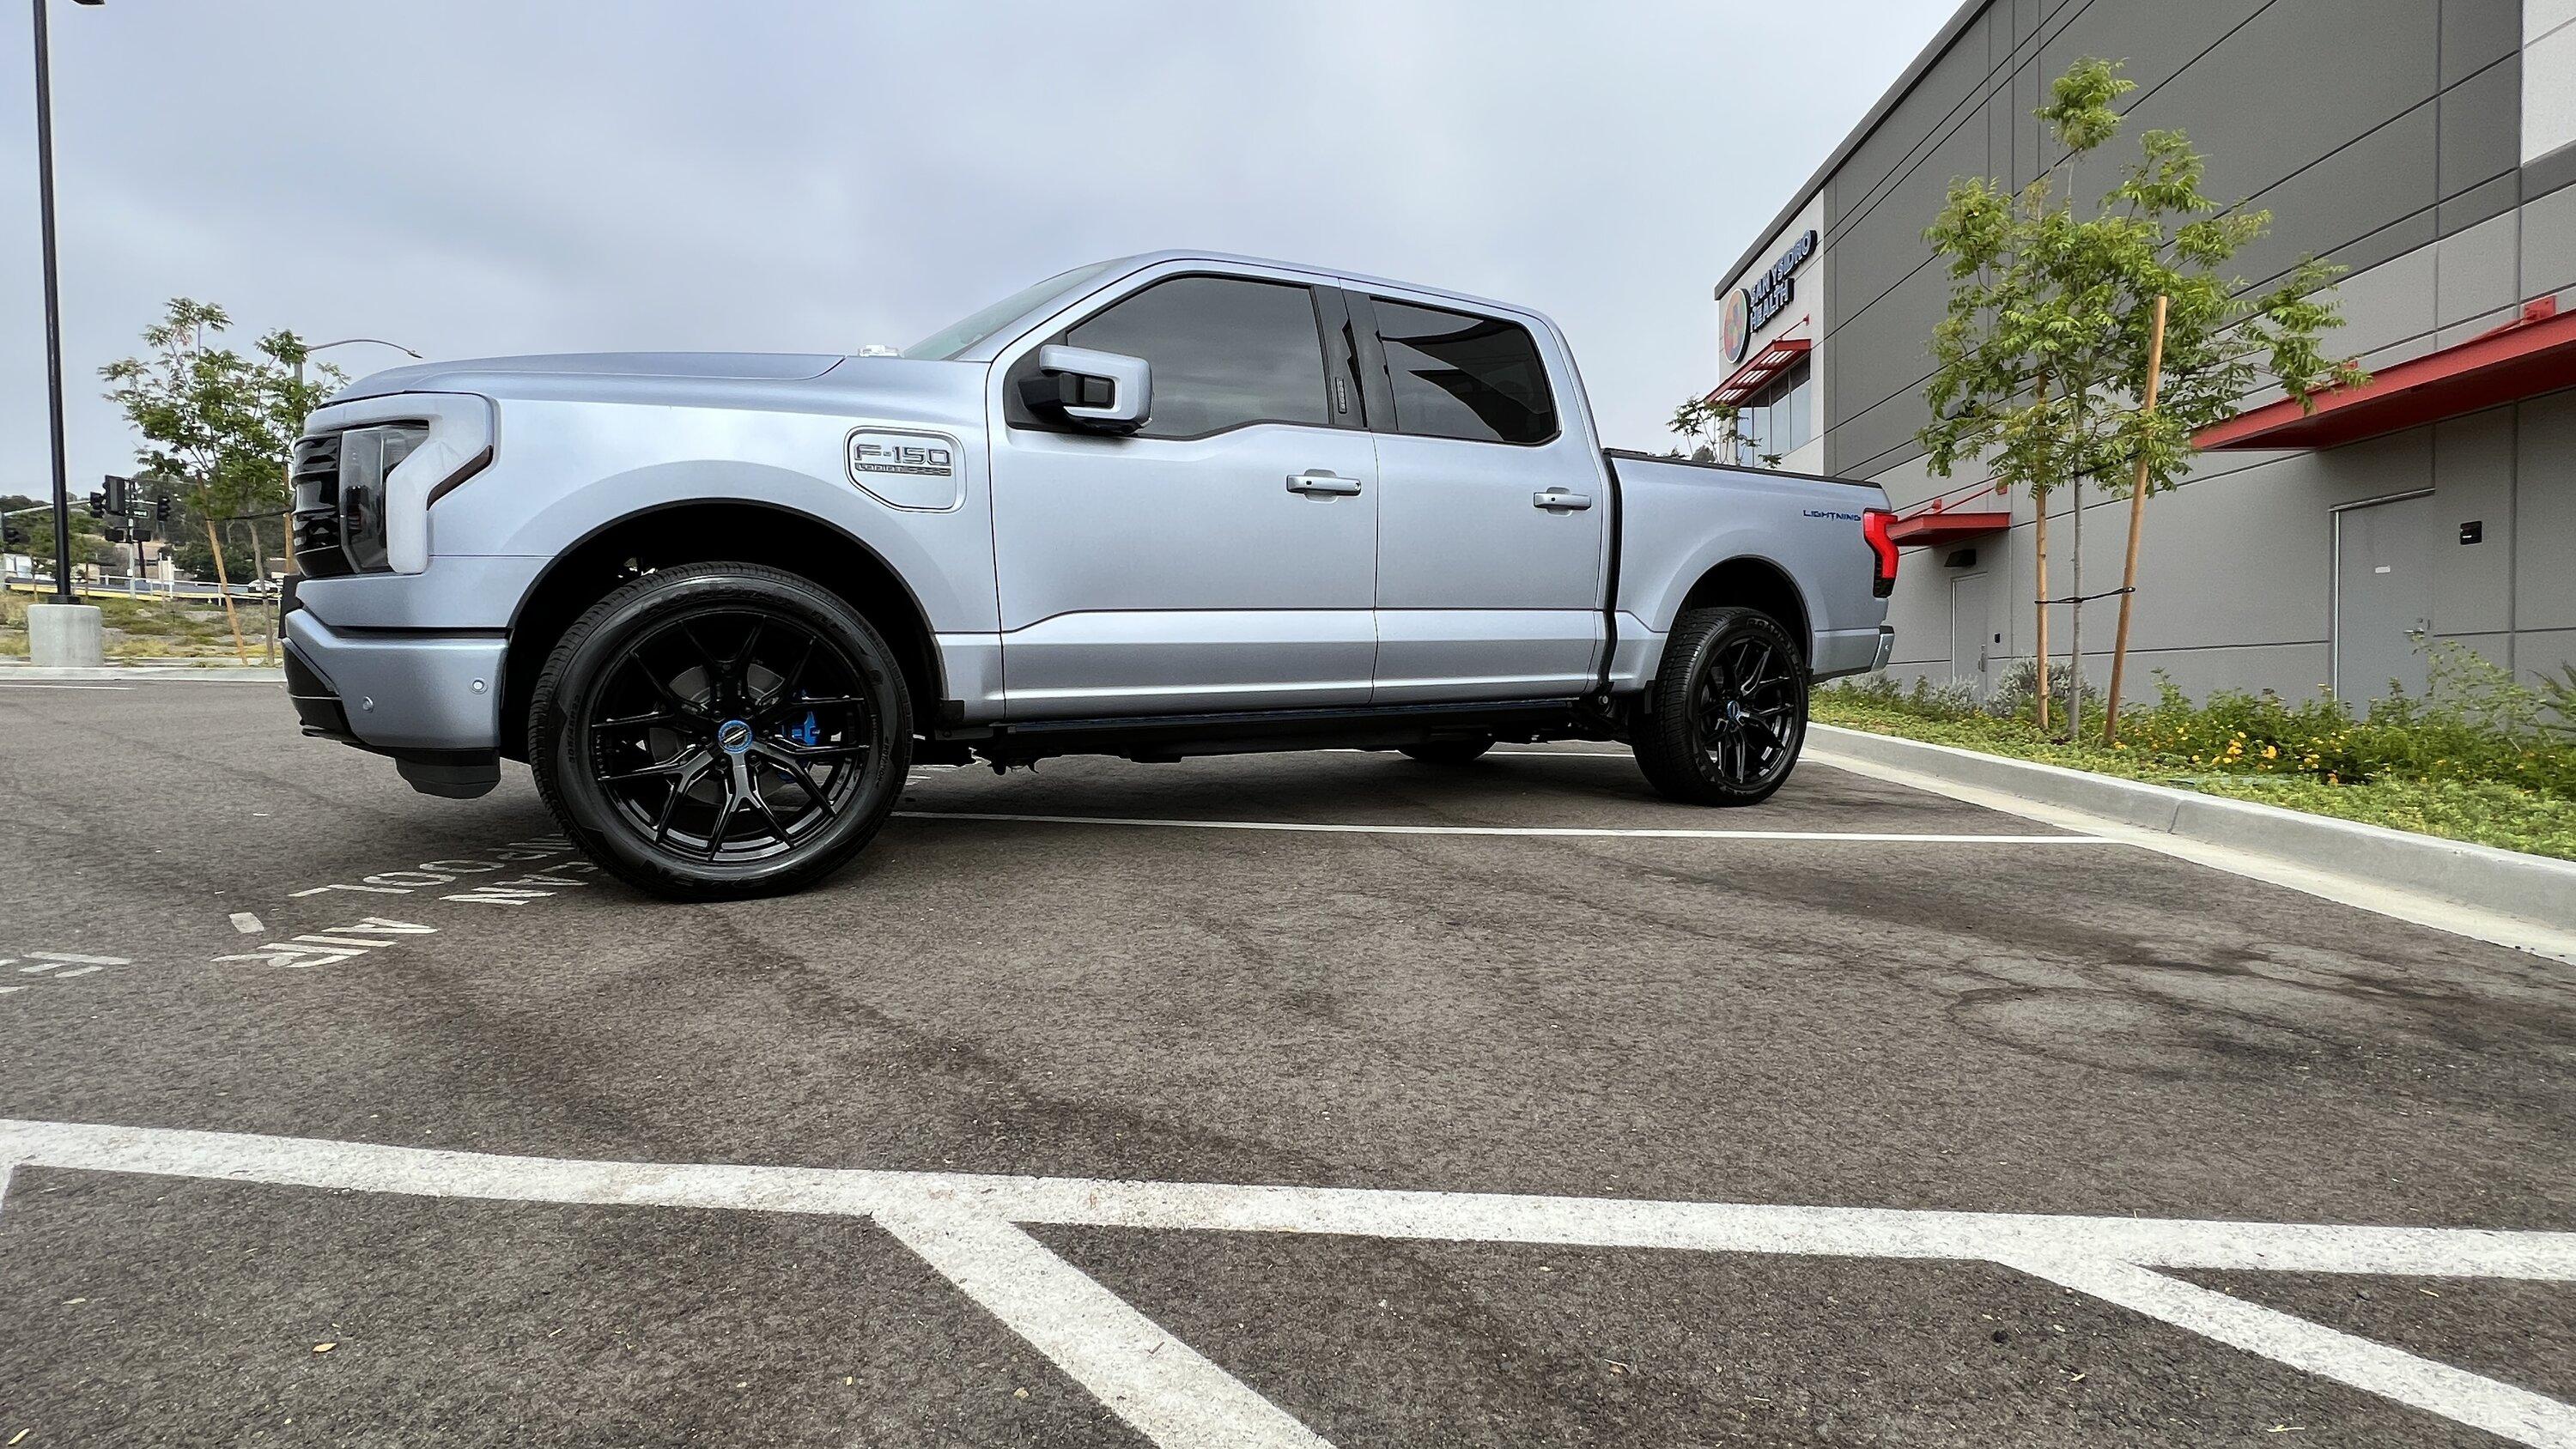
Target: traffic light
[(116, 491), (98, 505), (116, 535), (161, 508), (12, 533)]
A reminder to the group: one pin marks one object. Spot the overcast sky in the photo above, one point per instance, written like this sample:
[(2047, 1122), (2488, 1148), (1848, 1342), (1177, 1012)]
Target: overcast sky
[(476, 177)]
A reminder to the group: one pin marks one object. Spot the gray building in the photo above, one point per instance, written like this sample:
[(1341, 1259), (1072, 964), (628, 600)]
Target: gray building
[(2427, 145)]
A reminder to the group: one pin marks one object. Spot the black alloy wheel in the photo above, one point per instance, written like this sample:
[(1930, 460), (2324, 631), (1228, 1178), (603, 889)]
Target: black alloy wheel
[(721, 730), (1728, 710)]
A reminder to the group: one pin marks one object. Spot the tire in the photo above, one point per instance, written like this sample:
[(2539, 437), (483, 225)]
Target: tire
[(1727, 715), (1448, 752), (720, 730)]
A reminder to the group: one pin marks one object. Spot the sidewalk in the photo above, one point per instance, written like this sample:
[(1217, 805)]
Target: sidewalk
[(221, 668)]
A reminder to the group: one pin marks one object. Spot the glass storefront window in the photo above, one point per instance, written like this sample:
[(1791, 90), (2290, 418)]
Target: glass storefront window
[(1779, 419)]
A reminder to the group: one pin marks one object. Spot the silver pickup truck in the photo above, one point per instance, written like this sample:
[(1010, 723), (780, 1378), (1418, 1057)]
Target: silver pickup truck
[(1167, 505)]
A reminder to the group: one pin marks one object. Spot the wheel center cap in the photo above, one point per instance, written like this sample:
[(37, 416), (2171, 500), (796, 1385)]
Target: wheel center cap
[(1734, 711), (734, 736)]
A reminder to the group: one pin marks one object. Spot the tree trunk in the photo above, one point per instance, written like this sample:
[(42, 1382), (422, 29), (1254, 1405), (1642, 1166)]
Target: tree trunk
[(2137, 525), (268, 621), (2075, 619), (2083, 392), (224, 587), (2039, 586), (2039, 601)]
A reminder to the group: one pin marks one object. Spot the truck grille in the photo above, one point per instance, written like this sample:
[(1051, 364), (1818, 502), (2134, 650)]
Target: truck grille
[(315, 480)]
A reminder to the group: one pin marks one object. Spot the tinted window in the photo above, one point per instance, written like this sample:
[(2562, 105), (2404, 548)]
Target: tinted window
[(1458, 376), (1225, 352)]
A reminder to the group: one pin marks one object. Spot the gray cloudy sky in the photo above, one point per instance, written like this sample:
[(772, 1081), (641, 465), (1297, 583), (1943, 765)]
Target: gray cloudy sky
[(473, 177)]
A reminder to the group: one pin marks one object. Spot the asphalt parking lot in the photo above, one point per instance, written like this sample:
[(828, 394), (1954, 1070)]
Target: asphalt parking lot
[(1117, 1104)]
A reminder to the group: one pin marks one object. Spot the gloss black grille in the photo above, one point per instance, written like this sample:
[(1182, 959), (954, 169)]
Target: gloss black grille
[(315, 479)]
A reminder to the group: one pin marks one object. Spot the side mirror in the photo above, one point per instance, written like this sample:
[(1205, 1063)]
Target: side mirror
[(1101, 392)]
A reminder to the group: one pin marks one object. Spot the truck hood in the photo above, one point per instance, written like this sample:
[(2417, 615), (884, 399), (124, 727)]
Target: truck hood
[(475, 374)]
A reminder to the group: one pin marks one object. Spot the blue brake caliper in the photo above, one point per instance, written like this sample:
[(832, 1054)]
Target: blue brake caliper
[(806, 732)]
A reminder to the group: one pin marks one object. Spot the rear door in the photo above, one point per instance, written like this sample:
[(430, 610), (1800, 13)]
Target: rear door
[(1222, 557), (1493, 507)]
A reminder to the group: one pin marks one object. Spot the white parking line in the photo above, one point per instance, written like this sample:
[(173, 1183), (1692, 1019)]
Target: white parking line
[(1577, 832), (2368, 895), (2438, 1388), (1163, 1387), (962, 1223)]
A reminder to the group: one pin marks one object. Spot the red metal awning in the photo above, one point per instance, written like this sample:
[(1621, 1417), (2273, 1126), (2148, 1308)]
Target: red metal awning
[(1761, 367), (2533, 354), (1942, 526)]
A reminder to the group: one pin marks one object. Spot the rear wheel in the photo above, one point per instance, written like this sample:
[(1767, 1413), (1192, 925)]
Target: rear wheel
[(1448, 752), (1728, 712), (720, 730)]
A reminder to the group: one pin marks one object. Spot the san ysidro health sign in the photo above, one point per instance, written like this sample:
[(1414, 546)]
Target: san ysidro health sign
[(1751, 307)]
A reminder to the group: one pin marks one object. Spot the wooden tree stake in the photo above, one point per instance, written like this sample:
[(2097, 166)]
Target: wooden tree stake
[(2137, 525), (223, 585)]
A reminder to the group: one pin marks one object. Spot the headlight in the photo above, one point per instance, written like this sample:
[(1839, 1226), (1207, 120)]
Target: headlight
[(340, 513)]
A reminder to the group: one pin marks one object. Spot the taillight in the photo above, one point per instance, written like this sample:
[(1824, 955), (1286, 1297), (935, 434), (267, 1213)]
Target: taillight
[(1874, 524)]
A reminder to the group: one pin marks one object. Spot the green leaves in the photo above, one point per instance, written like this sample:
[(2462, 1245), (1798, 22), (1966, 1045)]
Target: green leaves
[(2042, 348), (2079, 103), (1702, 420), (216, 423)]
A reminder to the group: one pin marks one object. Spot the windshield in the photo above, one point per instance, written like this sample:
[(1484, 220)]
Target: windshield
[(963, 334)]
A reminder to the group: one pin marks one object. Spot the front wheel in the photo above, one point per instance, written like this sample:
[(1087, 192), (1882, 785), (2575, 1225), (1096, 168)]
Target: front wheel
[(1728, 712), (720, 730)]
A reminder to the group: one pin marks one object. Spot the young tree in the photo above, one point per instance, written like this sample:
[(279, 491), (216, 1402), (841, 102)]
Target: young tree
[(2046, 343), (1710, 425), (219, 425)]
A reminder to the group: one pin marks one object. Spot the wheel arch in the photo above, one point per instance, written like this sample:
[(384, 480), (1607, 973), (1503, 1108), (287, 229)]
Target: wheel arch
[(701, 531), (1750, 581)]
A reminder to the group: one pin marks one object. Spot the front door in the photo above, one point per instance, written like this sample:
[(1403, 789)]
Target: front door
[(1221, 558), (2383, 596), (1490, 550)]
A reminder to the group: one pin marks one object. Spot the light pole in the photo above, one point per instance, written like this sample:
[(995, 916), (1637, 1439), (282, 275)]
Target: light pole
[(71, 636), (345, 342)]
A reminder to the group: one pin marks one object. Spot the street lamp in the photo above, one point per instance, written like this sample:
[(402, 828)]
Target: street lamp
[(343, 342), (62, 632)]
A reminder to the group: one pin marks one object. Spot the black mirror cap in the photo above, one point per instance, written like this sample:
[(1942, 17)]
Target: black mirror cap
[(1047, 396)]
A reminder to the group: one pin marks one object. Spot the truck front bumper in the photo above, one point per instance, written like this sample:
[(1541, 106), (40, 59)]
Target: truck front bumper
[(430, 700)]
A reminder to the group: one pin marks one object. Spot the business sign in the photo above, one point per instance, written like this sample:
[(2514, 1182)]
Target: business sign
[(1750, 308)]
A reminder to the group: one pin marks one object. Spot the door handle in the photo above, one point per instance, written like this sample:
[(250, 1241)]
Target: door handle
[(1317, 483), (1557, 500)]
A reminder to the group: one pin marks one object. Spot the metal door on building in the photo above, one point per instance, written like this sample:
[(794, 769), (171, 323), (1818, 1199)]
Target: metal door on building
[(2383, 595), (1972, 639)]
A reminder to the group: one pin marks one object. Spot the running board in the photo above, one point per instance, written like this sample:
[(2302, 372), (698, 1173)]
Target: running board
[(1173, 737)]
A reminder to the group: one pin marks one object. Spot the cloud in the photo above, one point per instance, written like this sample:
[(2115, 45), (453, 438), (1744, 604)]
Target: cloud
[(492, 176)]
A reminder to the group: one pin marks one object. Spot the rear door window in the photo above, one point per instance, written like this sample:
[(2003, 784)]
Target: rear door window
[(1457, 375), (1227, 352)]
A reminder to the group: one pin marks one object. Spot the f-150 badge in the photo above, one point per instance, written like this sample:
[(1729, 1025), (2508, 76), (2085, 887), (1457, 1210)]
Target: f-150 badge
[(906, 469), (927, 455)]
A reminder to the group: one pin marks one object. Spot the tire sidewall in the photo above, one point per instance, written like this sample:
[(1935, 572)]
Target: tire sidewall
[(1678, 750), (1703, 658), (561, 734)]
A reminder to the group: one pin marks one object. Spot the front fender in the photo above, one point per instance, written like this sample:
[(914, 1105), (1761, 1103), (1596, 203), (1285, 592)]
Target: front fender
[(564, 470)]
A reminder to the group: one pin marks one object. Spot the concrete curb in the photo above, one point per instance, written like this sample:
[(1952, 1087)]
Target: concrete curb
[(115, 673), (2532, 888)]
